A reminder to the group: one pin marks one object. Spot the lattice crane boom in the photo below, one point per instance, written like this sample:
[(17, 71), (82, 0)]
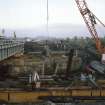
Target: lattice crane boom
[(90, 20)]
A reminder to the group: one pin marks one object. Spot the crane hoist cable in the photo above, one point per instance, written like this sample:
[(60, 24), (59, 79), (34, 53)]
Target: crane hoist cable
[(47, 18)]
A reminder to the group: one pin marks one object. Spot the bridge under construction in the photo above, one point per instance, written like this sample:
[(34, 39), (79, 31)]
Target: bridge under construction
[(68, 86), (10, 47)]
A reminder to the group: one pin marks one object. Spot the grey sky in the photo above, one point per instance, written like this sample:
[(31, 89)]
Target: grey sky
[(32, 13)]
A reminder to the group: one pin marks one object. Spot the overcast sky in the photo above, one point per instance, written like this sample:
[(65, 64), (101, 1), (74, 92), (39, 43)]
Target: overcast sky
[(32, 13)]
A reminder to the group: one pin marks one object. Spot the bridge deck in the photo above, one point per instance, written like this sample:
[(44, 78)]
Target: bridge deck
[(10, 47)]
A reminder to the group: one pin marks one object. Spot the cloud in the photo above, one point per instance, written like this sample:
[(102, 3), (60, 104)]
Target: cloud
[(32, 13)]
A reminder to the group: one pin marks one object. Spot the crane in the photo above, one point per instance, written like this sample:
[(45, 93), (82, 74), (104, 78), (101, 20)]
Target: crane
[(90, 20)]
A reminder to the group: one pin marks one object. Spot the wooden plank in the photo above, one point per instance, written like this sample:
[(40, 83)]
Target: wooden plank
[(33, 96), (81, 92), (96, 93), (102, 92), (22, 97), (4, 96)]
